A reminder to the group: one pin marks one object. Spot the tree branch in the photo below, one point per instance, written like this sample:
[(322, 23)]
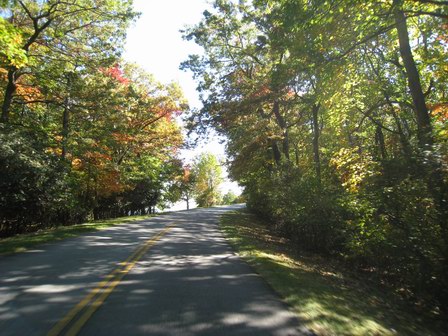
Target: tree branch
[(38, 101), (434, 2), (364, 40), (418, 13), (366, 114)]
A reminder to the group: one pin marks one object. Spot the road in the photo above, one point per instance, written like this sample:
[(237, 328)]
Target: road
[(170, 275)]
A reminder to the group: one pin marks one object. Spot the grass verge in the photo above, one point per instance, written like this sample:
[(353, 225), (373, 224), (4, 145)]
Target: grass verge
[(23, 242), (327, 299)]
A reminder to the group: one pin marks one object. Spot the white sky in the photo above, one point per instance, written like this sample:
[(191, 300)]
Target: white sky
[(155, 43)]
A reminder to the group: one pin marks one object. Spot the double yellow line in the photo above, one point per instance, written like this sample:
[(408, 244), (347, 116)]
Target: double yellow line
[(89, 304)]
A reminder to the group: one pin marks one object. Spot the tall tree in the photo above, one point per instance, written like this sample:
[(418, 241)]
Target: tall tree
[(208, 177), (333, 111), (61, 31)]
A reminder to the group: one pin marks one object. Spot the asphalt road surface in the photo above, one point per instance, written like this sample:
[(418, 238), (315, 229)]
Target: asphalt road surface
[(170, 275)]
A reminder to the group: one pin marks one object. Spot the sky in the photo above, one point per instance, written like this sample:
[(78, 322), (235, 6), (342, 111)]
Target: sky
[(155, 43)]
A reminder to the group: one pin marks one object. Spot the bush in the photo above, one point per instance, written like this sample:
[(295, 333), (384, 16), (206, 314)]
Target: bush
[(381, 216), (35, 190)]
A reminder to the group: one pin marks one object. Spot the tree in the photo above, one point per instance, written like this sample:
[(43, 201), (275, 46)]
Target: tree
[(185, 185), (114, 158), (125, 137), (229, 198), (69, 33), (207, 172), (333, 115)]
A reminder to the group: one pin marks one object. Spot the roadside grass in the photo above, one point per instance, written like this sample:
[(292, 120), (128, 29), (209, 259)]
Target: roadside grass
[(327, 299), (23, 242)]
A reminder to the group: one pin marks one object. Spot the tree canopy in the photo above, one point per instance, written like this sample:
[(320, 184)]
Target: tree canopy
[(336, 115), (208, 177), (83, 134)]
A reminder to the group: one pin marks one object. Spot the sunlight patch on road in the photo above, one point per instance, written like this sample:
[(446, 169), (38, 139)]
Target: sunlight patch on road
[(78, 316), (48, 289)]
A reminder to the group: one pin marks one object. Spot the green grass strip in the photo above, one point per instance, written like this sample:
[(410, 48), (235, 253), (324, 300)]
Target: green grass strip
[(327, 301), (21, 243)]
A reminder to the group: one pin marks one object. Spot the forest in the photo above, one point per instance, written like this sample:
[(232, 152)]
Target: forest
[(83, 134), (336, 115)]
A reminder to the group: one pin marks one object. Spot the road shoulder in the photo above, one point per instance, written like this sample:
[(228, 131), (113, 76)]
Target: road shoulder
[(327, 301)]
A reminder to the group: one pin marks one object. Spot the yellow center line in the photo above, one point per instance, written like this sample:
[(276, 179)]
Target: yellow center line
[(107, 286), (75, 310)]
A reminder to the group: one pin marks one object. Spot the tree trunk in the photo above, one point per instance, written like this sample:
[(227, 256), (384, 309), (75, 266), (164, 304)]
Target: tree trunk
[(282, 124), (65, 126), (379, 138), (9, 93), (296, 153), (286, 143), (317, 164), (276, 152), (424, 128), (66, 117), (405, 145)]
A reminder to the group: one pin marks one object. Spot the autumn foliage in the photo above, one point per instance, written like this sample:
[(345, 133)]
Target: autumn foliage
[(336, 120), (83, 135)]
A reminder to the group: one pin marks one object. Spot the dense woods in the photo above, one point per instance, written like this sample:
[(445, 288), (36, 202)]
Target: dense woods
[(83, 135), (336, 114)]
